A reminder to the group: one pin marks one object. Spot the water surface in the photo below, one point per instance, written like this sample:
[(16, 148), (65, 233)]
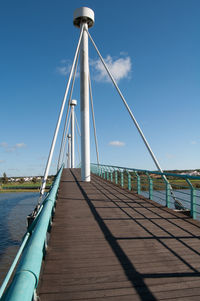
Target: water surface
[(14, 207)]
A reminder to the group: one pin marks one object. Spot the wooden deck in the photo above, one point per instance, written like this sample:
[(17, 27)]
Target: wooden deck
[(109, 244)]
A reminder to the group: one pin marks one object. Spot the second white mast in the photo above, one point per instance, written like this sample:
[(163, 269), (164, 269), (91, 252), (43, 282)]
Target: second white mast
[(73, 104)]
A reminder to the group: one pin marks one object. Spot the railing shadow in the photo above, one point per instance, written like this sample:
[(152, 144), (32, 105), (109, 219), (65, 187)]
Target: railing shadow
[(136, 278), (122, 257)]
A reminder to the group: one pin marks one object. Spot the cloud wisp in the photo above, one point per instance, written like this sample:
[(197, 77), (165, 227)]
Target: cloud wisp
[(120, 68), (4, 144), (117, 143), (10, 149), (65, 68), (20, 145)]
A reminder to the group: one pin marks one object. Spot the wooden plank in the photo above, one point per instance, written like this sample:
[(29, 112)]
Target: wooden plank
[(107, 243)]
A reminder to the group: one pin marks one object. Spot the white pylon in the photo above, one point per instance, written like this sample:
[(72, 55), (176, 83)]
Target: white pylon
[(69, 152), (73, 104), (84, 19)]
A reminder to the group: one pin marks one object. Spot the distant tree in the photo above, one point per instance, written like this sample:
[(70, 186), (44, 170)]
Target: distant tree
[(4, 178), (34, 180), (21, 180)]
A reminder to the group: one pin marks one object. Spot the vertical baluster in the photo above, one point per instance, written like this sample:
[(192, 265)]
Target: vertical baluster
[(138, 183), (150, 187), (129, 181), (107, 175), (111, 176), (193, 202), (192, 199), (167, 194), (122, 179), (116, 177)]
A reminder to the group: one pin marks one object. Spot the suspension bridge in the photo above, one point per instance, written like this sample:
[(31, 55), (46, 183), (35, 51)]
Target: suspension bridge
[(106, 232)]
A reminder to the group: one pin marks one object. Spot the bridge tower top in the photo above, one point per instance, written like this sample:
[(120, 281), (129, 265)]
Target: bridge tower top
[(83, 15), (73, 102)]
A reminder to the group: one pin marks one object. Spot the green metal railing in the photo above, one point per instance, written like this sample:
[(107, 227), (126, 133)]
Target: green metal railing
[(168, 189), (31, 251)]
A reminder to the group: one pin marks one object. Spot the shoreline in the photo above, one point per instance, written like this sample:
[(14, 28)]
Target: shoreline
[(20, 190)]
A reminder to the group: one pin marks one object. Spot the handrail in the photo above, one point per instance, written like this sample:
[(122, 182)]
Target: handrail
[(149, 171), (27, 274), (143, 182)]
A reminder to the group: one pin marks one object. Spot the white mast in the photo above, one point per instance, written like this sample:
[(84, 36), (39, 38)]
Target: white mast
[(73, 104), (84, 19)]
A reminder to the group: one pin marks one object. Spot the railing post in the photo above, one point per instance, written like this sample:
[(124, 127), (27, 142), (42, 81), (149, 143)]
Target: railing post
[(104, 174), (129, 181), (193, 203), (111, 176), (167, 194), (138, 183), (192, 200), (92, 168), (122, 179), (150, 187), (107, 173), (116, 177)]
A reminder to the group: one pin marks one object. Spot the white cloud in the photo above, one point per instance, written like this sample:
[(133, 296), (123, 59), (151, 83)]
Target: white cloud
[(4, 144), (64, 61), (120, 68), (20, 145), (116, 143), (193, 142), (10, 149), (65, 68), (2, 161)]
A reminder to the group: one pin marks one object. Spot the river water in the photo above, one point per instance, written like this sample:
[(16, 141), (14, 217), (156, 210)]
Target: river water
[(182, 195), (14, 208)]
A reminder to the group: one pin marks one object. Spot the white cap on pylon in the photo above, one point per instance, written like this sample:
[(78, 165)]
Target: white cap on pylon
[(83, 14), (73, 102)]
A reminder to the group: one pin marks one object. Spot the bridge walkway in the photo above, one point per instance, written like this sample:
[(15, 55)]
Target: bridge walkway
[(110, 244)]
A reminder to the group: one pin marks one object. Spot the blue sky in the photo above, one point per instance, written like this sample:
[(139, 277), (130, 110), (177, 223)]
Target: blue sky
[(152, 48)]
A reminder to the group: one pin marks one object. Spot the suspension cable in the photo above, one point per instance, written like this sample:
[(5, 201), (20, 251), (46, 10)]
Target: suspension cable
[(77, 124), (93, 118), (69, 101), (65, 139), (135, 122), (76, 135), (42, 189), (61, 147)]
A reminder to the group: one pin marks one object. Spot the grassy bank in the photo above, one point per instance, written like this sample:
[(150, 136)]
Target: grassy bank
[(22, 187)]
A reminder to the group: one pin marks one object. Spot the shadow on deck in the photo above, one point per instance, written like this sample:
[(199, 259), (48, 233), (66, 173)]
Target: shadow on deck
[(107, 243)]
